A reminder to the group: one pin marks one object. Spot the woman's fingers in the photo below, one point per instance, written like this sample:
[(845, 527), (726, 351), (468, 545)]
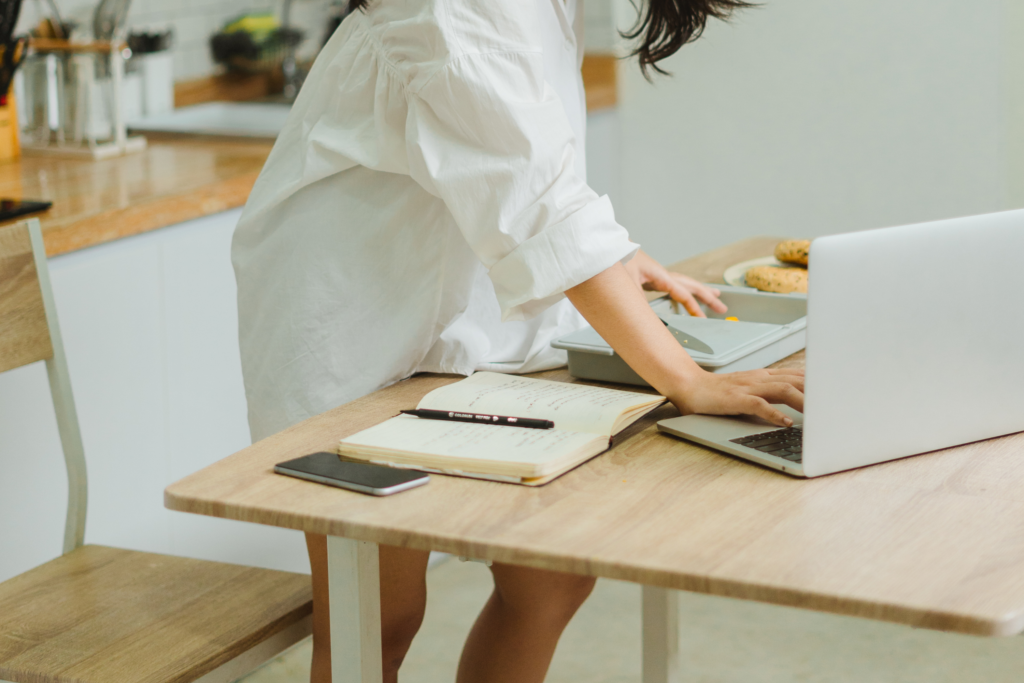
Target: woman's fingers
[(683, 296), (781, 392), (708, 295), (790, 375), (653, 277), (798, 383), (761, 408), (785, 371)]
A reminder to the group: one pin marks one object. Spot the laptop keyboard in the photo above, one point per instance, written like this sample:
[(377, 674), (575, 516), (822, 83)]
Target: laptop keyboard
[(783, 443)]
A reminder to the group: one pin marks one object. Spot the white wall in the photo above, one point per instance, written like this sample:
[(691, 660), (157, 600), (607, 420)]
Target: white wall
[(604, 154), (599, 25), (807, 117)]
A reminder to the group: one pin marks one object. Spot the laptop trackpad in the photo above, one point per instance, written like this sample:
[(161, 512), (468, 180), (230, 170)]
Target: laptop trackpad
[(724, 428)]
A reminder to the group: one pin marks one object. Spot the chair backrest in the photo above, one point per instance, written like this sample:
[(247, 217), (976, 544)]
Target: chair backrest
[(29, 332), (24, 334)]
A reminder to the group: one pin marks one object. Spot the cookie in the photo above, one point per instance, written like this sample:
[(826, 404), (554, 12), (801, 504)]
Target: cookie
[(793, 251), (778, 280)]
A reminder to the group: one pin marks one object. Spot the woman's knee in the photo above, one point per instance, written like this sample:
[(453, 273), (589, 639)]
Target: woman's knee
[(400, 623), (540, 594), (403, 598)]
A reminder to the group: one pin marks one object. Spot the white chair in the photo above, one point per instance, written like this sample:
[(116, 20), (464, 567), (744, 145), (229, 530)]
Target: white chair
[(105, 615)]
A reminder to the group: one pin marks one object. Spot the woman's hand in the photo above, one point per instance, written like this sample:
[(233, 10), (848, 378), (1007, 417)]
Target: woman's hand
[(743, 393), (652, 276)]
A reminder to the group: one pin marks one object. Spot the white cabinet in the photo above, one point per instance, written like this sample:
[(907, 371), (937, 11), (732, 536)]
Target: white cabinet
[(150, 328)]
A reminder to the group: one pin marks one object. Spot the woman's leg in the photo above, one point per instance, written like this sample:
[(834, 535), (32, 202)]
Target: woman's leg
[(515, 635), (403, 598)]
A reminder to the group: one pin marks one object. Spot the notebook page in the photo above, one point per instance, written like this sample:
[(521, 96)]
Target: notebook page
[(573, 407), (469, 441)]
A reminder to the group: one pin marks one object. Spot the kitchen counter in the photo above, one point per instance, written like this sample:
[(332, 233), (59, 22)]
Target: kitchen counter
[(176, 179)]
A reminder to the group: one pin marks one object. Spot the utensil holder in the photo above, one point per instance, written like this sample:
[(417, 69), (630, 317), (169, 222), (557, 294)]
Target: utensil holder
[(74, 94)]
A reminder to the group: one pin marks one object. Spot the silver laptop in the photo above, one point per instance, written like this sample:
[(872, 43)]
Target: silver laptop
[(915, 342)]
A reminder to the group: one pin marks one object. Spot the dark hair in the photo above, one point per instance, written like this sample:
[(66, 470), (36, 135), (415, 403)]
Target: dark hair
[(667, 25)]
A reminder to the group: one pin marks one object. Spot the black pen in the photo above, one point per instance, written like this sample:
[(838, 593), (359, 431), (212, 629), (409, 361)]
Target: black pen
[(529, 422)]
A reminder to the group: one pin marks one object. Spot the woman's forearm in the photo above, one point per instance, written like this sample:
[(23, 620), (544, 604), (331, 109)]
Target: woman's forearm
[(616, 307), (613, 303)]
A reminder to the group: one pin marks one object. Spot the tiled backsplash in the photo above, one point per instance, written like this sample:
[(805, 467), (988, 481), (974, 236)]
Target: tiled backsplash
[(194, 21)]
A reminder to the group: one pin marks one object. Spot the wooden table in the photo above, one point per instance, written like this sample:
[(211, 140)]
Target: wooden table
[(935, 541)]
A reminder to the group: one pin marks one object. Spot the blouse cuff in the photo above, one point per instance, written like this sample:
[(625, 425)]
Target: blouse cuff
[(536, 274)]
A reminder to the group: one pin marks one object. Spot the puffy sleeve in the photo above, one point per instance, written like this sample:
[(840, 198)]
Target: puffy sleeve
[(490, 137)]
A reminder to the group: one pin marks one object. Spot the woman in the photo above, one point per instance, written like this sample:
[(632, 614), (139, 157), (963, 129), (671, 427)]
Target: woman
[(425, 210)]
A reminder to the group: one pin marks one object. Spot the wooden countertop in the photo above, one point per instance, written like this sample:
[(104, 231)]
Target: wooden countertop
[(176, 179)]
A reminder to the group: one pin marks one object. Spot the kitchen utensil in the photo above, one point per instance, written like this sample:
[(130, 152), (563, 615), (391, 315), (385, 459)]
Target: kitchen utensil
[(687, 339), (59, 27), (14, 50), (109, 18), (9, 11)]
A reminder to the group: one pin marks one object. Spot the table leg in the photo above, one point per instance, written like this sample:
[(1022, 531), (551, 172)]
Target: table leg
[(660, 635), (354, 587)]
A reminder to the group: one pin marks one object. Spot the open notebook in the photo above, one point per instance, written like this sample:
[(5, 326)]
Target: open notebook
[(585, 420)]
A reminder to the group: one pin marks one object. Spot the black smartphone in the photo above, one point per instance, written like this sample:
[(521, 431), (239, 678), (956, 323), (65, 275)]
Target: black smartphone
[(328, 468), (9, 208)]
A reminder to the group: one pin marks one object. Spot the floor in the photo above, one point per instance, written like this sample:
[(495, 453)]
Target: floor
[(722, 641)]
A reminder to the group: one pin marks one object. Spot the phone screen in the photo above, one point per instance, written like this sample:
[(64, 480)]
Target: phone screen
[(328, 468)]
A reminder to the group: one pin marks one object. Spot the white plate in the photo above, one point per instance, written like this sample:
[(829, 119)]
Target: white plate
[(737, 275)]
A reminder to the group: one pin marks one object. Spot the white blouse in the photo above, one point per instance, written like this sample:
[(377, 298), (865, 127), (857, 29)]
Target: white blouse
[(424, 208)]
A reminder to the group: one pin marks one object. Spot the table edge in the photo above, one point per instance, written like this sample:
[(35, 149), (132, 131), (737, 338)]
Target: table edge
[(907, 615)]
